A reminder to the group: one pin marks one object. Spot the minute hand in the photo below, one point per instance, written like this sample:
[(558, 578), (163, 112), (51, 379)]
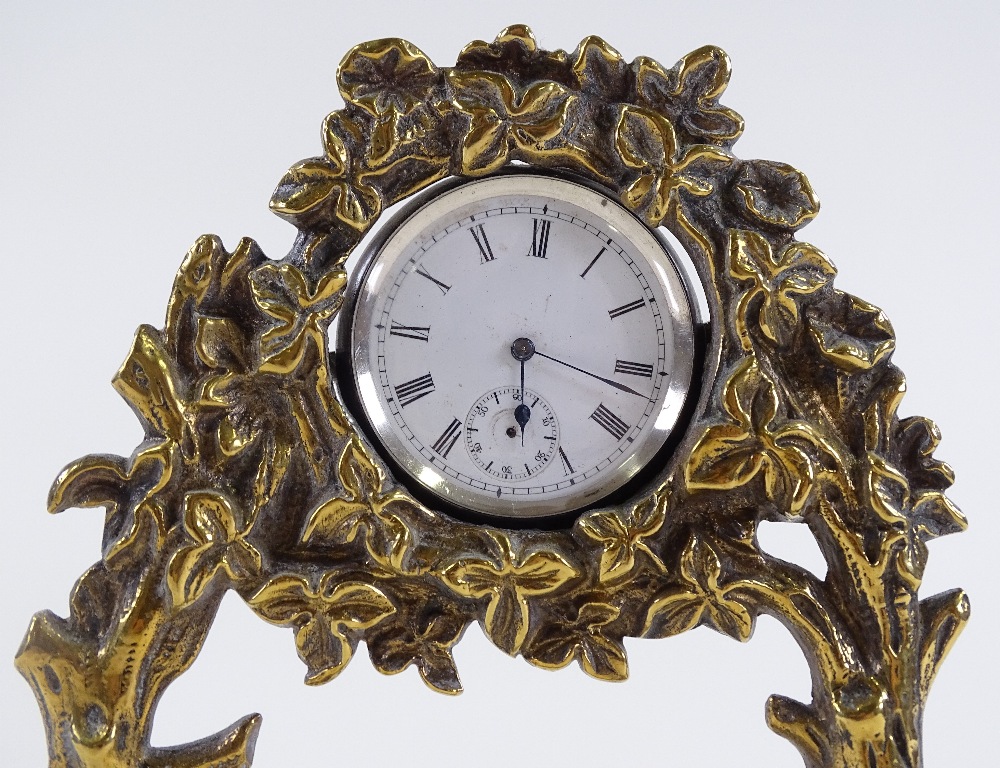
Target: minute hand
[(609, 382)]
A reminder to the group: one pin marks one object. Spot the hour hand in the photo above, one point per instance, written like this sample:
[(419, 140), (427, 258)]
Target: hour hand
[(522, 349)]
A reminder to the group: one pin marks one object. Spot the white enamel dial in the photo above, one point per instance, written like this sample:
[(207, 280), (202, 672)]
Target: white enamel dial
[(510, 284)]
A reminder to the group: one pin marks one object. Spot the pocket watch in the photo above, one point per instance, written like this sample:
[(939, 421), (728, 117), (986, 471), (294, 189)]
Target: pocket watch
[(521, 345)]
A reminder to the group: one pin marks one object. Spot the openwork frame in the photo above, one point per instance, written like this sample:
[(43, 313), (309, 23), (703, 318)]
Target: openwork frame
[(254, 477)]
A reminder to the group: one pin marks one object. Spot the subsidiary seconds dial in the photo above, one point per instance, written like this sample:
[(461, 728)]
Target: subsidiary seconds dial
[(508, 448), (533, 322)]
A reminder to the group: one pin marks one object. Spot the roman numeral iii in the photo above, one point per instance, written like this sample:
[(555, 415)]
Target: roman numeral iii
[(635, 369), (413, 390), (610, 422)]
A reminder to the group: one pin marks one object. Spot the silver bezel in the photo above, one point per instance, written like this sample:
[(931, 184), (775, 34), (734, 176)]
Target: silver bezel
[(385, 255)]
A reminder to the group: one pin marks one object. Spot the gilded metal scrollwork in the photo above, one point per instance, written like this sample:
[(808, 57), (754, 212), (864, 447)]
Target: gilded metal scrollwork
[(253, 476)]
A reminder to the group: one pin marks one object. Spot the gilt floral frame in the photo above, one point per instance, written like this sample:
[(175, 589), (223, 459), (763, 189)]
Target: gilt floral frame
[(253, 477)]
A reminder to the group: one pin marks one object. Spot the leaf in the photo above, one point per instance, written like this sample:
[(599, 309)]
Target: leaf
[(935, 515), (506, 620), (593, 615), (391, 73), (95, 597), (336, 520), (97, 480), (472, 578), (542, 572), (210, 518), (306, 186), (338, 132), (541, 114), (777, 194), (689, 92), (800, 725), (887, 491), (272, 469), (439, 672), (750, 256), (725, 457), (554, 652), (700, 565), (229, 748), (645, 140), (354, 605), (942, 618), (142, 531), (622, 538), (390, 541), (603, 659), (499, 116), (601, 70), (324, 652), (731, 619), (673, 613), (196, 271), (857, 338), (917, 438), (302, 310), (276, 290), (190, 571), (242, 561), (704, 72), (147, 381), (221, 344), (283, 600), (357, 472)]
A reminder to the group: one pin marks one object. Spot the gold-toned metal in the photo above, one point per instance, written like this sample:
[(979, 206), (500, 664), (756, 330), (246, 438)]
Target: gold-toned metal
[(253, 476)]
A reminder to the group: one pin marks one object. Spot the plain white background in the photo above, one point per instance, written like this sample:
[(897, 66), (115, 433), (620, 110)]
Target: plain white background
[(128, 130)]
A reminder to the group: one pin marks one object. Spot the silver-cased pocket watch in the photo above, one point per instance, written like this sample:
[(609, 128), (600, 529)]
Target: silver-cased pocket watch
[(521, 346)]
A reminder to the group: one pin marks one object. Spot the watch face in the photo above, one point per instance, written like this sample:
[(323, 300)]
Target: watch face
[(521, 345)]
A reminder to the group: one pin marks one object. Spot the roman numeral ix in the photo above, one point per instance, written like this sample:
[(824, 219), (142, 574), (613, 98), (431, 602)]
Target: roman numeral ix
[(485, 251), (413, 390), (410, 331), (448, 438), (610, 422), (635, 369), (540, 238)]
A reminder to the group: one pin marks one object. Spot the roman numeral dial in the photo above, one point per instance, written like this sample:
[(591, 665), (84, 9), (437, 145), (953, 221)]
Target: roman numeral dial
[(508, 345)]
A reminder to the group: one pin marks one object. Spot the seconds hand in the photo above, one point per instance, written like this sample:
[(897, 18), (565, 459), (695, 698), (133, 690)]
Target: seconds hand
[(609, 382)]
